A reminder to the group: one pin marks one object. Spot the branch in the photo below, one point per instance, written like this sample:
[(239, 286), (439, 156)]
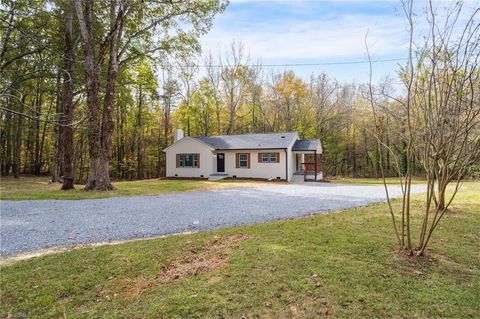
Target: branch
[(18, 57)]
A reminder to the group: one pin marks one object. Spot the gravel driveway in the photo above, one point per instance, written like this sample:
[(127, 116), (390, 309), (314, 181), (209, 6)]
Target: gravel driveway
[(31, 225)]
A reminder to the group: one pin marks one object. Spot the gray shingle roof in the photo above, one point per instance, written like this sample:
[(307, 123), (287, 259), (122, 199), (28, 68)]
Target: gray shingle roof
[(250, 141), (305, 145)]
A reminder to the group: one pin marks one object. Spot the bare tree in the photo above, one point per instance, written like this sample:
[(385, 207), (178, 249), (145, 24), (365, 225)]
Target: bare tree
[(447, 87), (214, 79), (440, 118), (255, 84), (234, 80), (322, 90), (171, 93), (187, 70)]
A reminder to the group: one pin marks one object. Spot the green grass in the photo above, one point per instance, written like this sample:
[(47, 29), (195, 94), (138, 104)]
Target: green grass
[(35, 188), (40, 188), (343, 265)]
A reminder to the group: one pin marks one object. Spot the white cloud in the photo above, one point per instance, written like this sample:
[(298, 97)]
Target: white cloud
[(308, 31), (326, 38)]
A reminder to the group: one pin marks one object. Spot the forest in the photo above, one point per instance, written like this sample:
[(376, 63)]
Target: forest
[(92, 92)]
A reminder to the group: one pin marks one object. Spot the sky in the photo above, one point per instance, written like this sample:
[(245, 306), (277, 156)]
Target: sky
[(316, 31)]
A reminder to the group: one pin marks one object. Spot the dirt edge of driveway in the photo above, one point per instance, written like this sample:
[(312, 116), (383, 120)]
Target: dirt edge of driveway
[(10, 260)]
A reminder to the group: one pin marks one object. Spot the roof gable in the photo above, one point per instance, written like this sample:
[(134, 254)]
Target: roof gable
[(188, 139)]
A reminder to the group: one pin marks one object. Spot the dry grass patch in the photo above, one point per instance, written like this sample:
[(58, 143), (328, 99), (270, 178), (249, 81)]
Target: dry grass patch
[(211, 257)]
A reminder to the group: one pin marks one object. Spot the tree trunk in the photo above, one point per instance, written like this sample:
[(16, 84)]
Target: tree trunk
[(7, 145), (387, 136), (42, 141), (218, 113), (441, 192), (159, 152), (139, 134), (18, 141), (118, 146), (167, 121), (231, 122), (98, 176), (57, 153), (67, 105), (29, 164), (106, 135), (81, 166), (99, 130), (39, 101)]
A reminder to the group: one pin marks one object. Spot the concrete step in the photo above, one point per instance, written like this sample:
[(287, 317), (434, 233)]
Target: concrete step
[(217, 176), (297, 179)]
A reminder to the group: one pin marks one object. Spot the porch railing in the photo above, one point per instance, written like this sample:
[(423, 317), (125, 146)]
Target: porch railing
[(311, 168)]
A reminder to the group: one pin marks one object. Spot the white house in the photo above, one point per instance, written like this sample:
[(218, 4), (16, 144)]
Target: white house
[(281, 156)]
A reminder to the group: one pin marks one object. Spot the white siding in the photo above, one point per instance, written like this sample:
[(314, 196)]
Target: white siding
[(208, 162), (292, 166), (188, 146), (291, 160), (256, 170)]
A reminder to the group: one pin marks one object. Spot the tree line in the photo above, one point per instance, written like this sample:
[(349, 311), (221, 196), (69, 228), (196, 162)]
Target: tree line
[(92, 91), (69, 71)]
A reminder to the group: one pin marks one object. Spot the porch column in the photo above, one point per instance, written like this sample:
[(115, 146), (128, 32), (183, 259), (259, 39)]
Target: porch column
[(302, 166), (315, 154)]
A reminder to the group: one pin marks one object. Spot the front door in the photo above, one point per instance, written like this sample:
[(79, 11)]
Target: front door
[(220, 162)]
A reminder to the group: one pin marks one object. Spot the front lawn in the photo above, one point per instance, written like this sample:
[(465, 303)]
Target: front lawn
[(342, 264), (40, 188)]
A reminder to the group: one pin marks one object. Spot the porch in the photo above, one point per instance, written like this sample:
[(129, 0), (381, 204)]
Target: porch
[(308, 161), (308, 167)]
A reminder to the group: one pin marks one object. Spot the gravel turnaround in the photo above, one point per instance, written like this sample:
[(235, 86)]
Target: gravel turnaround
[(29, 225)]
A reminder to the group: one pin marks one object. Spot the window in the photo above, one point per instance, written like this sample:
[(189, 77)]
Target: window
[(268, 157), (188, 160), (243, 160)]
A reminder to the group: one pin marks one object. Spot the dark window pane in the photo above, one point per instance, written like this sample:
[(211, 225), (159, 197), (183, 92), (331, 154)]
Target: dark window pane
[(243, 160), (188, 160)]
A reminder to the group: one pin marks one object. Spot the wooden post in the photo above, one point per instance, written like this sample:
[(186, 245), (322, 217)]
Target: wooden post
[(304, 172), (315, 165)]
